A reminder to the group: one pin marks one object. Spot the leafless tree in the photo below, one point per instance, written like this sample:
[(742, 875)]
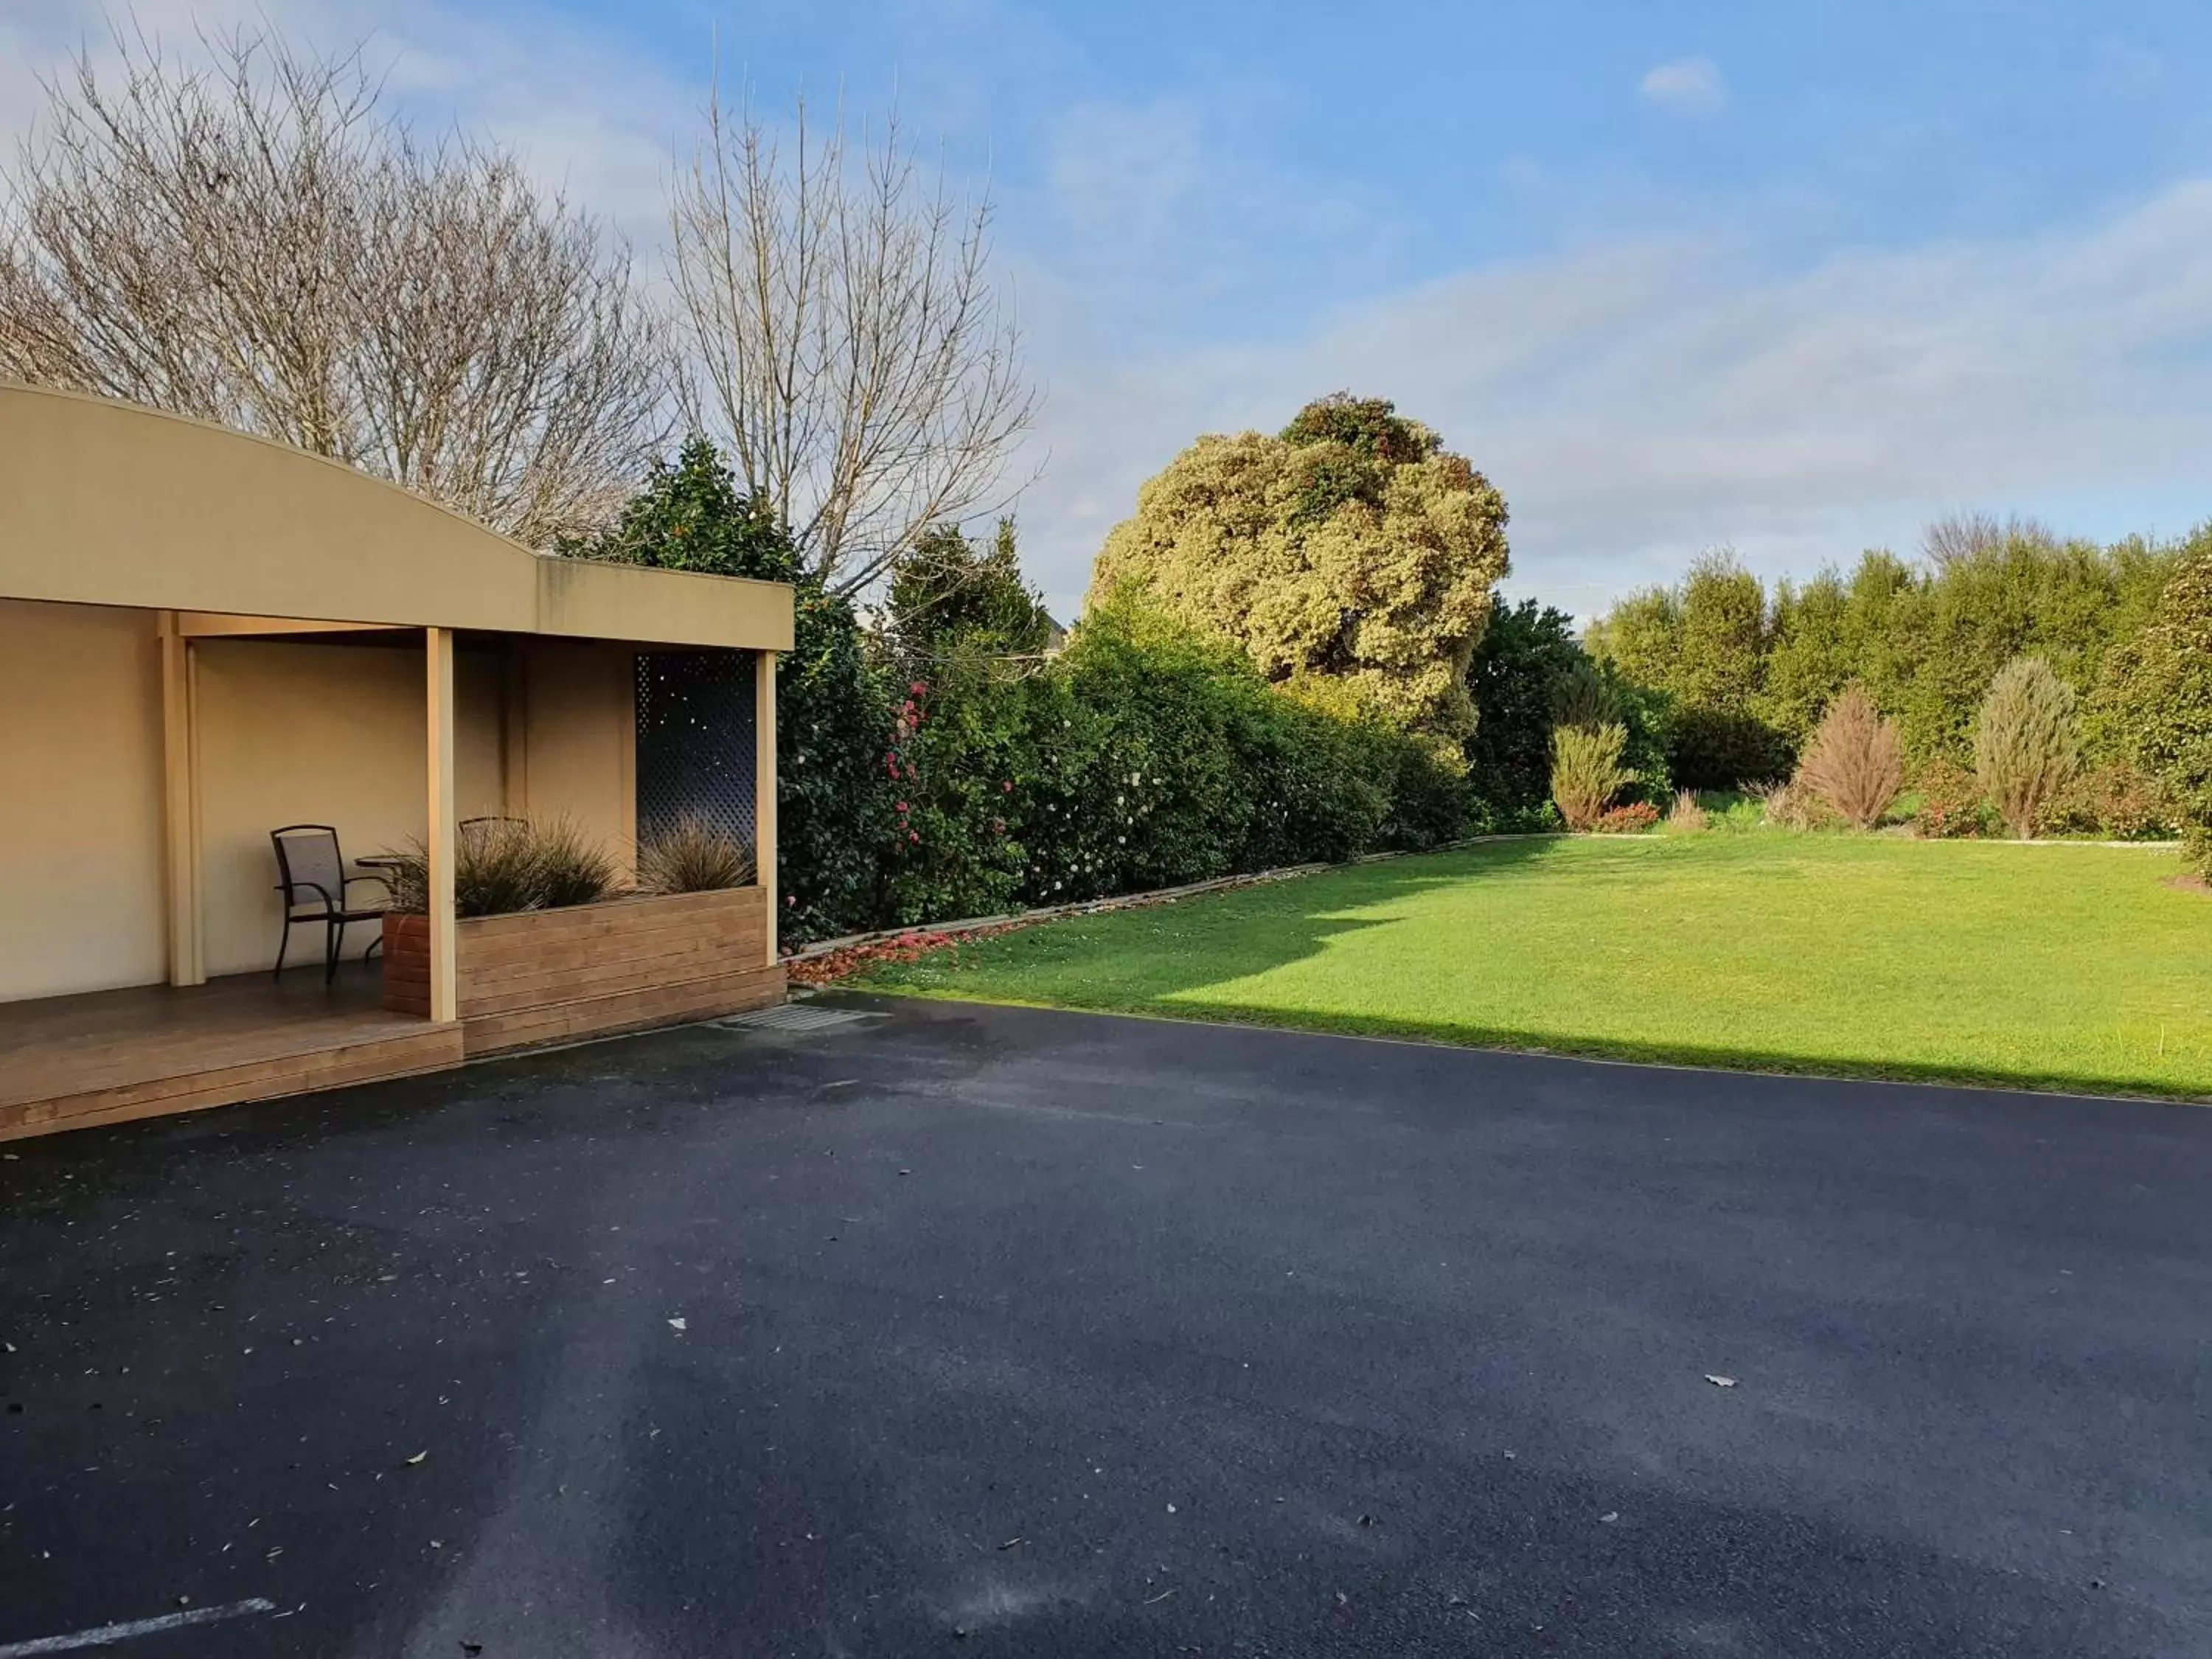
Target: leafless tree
[(261, 242), (847, 343), (1957, 537)]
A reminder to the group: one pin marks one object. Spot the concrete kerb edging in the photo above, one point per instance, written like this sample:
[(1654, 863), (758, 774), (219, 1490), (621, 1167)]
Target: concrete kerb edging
[(1135, 901)]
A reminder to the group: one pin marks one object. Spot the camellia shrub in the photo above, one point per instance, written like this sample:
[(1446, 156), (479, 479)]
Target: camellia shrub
[(2028, 745), (1147, 755), (1198, 766), (1855, 761)]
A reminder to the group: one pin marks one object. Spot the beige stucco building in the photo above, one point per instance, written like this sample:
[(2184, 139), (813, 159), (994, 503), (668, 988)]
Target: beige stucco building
[(205, 636)]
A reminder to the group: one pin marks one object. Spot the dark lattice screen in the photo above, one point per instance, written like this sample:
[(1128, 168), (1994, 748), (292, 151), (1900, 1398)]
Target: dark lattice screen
[(695, 740)]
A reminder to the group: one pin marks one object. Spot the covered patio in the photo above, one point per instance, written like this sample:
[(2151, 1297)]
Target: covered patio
[(104, 1056), (205, 637)]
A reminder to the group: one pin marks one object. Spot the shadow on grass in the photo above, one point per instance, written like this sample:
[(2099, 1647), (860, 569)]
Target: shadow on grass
[(1170, 961), (1520, 1040), (1167, 950)]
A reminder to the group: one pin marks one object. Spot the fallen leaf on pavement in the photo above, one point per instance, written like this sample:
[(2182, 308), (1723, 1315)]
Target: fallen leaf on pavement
[(1720, 1381)]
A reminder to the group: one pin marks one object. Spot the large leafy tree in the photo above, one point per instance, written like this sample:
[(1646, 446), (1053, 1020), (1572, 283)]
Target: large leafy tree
[(1351, 546)]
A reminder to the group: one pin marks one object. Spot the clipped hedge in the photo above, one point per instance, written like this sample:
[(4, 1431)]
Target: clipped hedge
[(1145, 755)]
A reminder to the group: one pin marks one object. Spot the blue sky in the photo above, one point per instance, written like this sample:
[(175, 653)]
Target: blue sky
[(1786, 276)]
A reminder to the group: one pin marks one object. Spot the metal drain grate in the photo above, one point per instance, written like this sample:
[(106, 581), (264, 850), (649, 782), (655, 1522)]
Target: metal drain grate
[(790, 1017)]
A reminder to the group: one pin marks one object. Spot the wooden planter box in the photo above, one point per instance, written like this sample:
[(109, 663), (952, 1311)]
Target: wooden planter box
[(548, 975)]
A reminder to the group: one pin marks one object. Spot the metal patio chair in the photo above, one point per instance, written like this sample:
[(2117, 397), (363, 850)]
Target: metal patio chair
[(313, 884)]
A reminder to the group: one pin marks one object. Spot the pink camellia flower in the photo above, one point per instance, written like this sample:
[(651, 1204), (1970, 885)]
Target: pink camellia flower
[(914, 836), (903, 807), (919, 687), (1007, 787)]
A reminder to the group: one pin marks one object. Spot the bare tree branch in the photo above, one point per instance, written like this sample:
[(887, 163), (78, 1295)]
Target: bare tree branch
[(260, 244), (846, 342), (1960, 538)]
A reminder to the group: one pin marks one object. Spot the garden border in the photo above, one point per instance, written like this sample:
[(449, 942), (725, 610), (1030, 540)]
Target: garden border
[(1290, 871), (1133, 901)]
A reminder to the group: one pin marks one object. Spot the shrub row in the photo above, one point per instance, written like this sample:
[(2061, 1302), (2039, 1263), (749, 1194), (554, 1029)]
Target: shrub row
[(1750, 672), (1144, 756)]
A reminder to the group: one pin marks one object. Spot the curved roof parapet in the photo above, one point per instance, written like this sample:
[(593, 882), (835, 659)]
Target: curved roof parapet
[(104, 502)]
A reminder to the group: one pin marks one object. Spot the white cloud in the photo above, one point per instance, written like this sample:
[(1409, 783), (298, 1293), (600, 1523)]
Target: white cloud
[(1688, 84), (1172, 216), (1641, 400)]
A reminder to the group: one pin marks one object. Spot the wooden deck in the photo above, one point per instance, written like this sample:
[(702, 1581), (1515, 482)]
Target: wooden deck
[(69, 1063)]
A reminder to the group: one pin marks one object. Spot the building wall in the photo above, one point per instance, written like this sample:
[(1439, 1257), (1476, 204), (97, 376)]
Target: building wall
[(578, 739), (289, 733), (206, 519), (81, 904)]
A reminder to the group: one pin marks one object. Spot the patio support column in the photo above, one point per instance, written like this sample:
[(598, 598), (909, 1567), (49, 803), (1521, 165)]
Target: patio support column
[(764, 788), (438, 652), (180, 806)]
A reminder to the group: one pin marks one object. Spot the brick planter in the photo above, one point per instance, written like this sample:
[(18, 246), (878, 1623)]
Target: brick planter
[(548, 975)]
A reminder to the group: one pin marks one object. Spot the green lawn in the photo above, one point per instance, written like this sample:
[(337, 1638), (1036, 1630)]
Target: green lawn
[(2061, 967)]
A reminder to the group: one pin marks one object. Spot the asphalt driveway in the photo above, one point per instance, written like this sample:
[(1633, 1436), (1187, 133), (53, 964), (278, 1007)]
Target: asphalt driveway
[(994, 1332)]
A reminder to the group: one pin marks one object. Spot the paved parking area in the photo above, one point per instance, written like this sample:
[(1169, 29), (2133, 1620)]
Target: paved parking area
[(997, 1332)]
